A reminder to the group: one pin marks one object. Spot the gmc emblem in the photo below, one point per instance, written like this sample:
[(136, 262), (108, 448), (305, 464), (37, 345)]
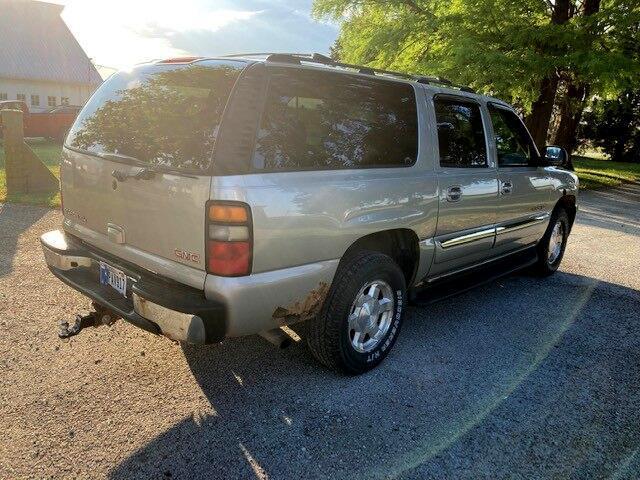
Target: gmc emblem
[(187, 256)]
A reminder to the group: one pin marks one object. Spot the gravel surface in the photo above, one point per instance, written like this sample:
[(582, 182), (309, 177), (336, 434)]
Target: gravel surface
[(521, 378)]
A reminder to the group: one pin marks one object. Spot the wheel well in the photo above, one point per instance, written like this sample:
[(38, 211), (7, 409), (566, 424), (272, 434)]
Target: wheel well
[(568, 203), (400, 244)]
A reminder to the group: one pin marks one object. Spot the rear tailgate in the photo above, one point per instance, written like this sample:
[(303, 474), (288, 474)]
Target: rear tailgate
[(135, 171)]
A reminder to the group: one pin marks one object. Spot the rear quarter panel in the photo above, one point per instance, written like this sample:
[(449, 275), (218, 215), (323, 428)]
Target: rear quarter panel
[(306, 217)]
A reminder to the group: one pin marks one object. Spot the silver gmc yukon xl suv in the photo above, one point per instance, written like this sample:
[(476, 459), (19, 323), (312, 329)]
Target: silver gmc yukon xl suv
[(207, 198)]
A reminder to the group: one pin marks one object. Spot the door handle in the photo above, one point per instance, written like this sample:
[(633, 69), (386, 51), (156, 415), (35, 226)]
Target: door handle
[(506, 188), (454, 193)]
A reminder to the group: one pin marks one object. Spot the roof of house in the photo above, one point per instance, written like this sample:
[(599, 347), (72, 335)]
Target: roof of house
[(35, 44)]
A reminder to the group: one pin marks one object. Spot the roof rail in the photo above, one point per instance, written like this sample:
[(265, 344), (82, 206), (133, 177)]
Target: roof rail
[(297, 58), (263, 54)]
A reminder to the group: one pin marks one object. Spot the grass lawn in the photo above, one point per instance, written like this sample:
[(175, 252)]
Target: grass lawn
[(595, 171), (49, 153)]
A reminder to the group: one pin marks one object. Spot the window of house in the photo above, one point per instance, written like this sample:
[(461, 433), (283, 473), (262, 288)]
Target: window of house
[(35, 100), (64, 101), (460, 133), (322, 121), (21, 97), (51, 101), (3, 96), (513, 143)]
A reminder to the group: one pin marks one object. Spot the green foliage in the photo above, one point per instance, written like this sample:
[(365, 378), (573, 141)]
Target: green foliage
[(499, 47), (614, 125)]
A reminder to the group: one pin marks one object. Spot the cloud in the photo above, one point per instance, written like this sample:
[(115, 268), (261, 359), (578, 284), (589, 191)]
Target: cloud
[(181, 21), (120, 33), (275, 26)]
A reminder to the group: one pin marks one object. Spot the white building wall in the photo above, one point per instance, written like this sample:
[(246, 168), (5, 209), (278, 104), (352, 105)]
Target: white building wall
[(77, 94)]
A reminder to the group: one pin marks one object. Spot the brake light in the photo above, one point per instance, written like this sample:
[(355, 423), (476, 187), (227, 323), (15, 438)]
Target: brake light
[(229, 239), (181, 60)]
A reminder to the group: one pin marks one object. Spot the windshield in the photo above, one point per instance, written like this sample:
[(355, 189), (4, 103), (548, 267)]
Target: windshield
[(158, 115)]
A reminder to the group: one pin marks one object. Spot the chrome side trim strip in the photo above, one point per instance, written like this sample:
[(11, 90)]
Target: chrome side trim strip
[(468, 238), (524, 224)]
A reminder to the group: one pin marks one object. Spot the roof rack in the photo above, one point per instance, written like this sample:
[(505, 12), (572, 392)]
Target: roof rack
[(297, 58)]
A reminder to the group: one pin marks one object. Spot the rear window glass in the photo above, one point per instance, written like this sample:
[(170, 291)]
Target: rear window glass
[(318, 121), (158, 115)]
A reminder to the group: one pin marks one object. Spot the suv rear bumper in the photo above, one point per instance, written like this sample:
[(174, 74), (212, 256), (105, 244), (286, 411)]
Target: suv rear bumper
[(154, 303)]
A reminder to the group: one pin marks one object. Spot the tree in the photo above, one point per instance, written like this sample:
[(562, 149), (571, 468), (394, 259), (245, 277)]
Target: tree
[(606, 37), (614, 125), (540, 115), (519, 51)]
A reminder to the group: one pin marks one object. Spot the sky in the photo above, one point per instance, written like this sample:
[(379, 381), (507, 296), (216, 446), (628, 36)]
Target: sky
[(121, 33)]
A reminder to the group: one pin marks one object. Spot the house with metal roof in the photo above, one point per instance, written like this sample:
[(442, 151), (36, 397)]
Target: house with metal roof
[(41, 62)]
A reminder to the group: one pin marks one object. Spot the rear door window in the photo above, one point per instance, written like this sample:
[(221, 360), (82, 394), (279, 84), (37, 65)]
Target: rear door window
[(316, 120), (461, 136), (513, 143), (162, 115)]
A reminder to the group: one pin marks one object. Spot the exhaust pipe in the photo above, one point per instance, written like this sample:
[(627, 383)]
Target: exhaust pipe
[(276, 337)]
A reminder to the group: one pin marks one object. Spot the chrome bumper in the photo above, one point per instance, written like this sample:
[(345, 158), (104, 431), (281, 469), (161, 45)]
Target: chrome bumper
[(185, 316)]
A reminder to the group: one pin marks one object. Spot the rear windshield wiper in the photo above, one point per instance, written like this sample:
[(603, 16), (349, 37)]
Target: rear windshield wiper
[(146, 171), (119, 157)]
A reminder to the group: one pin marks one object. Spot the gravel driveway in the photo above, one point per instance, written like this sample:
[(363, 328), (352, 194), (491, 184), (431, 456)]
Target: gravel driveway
[(520, 378)]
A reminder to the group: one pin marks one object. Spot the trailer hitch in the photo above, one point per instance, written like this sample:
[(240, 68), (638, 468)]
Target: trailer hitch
[(100, 316)]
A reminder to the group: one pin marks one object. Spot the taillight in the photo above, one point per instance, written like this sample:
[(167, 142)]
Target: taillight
[(229, 239), (181, 60)]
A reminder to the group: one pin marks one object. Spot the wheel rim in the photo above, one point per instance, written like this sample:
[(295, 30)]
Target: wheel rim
[(370, 316), (555, 242)]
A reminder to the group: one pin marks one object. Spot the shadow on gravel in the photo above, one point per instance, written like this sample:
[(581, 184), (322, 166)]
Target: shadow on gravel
[(521, 378), (612, 209), (14, 221)]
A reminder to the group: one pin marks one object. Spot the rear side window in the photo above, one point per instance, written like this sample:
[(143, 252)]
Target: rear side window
[(460, 133), (161, 115), (513, 142), (319, 121)]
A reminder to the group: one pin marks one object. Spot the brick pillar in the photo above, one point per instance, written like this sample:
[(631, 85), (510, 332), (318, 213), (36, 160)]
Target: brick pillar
[(13, 140), (24, 170)]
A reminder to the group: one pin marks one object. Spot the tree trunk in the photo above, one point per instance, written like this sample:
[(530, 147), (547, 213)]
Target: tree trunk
[(618, 151), (591, 7), (571, 108), (572, 105), (538, 120)]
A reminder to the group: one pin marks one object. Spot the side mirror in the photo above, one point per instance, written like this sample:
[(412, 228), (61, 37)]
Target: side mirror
[(555, 156)]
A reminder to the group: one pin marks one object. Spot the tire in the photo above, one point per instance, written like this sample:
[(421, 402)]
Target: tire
[(550, 252), (353, 308)]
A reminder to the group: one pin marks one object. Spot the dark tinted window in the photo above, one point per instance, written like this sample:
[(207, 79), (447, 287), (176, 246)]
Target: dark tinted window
[(162, 115), (460, 133), (513, 142), (319, 120)]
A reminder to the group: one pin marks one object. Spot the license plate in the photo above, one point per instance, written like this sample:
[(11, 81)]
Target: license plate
[(114, 278)]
